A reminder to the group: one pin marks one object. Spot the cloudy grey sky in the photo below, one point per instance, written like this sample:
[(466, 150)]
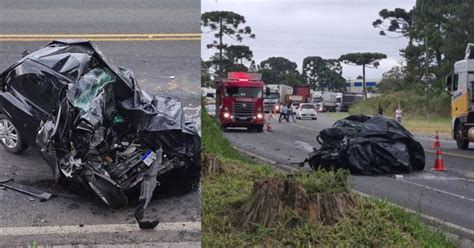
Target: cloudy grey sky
[(295, 29)]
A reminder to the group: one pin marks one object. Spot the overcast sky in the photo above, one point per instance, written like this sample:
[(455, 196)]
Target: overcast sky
[(295, 29)]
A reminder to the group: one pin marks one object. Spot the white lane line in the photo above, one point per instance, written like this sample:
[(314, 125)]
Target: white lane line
[(266, 160), (304, 146), (438, 190), (432, 139), (424, 216), (107, 228)]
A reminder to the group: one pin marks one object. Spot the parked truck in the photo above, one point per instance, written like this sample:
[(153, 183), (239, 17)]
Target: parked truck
[(317, 100), (303, 91), (331, 100), (239, 101), (275, 96), (460, 85), (349, 99)]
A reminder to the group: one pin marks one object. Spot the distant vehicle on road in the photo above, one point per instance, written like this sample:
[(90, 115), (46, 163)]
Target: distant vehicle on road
[(330, 100), (239, 101), (349, 99), (461, 87), (307, 110), (303, 91), (275, 96), (211, 109), (294, 106)]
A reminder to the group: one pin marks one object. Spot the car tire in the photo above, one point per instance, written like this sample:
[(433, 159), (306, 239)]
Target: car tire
[(461, 142), (259, 129), (10, 137), (315, 118)]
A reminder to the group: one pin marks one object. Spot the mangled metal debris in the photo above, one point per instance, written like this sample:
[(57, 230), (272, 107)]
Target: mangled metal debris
[(368, 145), (42, 196), (94, 126)]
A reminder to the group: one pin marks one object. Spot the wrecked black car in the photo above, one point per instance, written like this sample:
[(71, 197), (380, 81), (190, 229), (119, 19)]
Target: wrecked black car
[(367, 145), (93, 125)]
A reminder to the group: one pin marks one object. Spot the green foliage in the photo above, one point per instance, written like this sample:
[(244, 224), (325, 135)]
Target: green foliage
[(399, 22), (322, 181), (437, 31), (363, 59), (374, 222), (235, 53), (323, 73), (226, 23), (392, 80), (414, 105), (213, 140), (279, 70), (206, 80)]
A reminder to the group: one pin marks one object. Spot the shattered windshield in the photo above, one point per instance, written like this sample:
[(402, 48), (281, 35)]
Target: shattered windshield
[(86, 89)]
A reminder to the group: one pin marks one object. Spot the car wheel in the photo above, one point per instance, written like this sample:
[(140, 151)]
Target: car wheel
[(461, 142), (315, 118), (259, 129), (10, 137)]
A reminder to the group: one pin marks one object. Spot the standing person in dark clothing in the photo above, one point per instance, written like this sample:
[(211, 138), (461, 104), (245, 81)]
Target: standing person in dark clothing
[(283, 113), (380, 110)]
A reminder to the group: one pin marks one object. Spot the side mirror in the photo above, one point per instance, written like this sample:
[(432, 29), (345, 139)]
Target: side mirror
[(267, 91), (449, 84)]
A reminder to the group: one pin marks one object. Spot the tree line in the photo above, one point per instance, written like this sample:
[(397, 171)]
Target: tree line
[(317, 72), (437, 32)]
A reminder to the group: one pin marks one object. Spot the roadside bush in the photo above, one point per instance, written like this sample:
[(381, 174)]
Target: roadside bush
[(414, 105)]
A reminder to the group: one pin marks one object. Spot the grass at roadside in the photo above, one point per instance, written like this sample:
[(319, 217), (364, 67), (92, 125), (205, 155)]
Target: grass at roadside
[(373, 223), (428, 126), (414, 124)]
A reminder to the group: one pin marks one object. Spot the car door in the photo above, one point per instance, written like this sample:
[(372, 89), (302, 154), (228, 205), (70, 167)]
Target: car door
[(31, 94)]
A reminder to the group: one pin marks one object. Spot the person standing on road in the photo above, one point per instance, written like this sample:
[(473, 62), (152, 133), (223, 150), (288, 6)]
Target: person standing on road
[(290, 113), (398, 114), (283, 113)]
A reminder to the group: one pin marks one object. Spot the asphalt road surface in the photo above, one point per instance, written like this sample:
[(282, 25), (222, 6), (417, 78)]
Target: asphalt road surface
[(447, 196), (163, 66)]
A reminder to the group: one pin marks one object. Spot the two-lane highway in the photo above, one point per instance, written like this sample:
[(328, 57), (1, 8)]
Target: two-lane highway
[(447, 196)]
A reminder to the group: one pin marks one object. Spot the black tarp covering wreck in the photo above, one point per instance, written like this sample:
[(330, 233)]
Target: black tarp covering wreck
[(105, 134), (368, 145)]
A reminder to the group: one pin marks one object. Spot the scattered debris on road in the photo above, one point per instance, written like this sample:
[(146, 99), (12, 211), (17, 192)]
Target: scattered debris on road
[(367, 145), (42, 196), (94, 126)]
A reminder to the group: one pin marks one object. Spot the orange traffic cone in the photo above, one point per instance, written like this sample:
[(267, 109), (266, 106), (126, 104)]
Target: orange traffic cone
[(436, 144), (269, 126), (439, 162)]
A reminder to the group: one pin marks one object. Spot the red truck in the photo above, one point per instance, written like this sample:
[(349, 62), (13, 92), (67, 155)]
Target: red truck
[(239, 101), (303, 91)]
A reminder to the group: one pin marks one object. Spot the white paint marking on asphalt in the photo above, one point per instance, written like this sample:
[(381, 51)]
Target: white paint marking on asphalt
[(305, 146), (107, 228), (438, 190), (430, 176), (424, 216), (307, 128), (451, 154), (266, 160), (159, 245), (432, 139)]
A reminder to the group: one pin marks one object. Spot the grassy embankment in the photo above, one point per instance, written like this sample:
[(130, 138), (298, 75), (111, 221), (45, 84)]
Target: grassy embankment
[(373, 222), (420, 114)]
